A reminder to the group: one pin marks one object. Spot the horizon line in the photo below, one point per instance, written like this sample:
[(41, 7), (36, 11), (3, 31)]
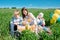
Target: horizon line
[(33, 7)]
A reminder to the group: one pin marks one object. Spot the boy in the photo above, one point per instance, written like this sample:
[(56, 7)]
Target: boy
[(16, 20)]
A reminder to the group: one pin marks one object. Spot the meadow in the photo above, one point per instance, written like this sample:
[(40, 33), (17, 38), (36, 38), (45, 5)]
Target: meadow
[(6, 15)]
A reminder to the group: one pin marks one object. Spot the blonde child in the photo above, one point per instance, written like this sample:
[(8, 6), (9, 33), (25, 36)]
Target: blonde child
[(41, 22), (15, 21), (40, 19)]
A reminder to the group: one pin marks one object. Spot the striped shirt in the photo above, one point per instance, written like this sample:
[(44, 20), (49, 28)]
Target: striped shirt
[(18, 20)]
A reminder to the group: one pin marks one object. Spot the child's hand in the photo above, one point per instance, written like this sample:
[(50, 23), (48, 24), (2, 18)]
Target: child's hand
[(38, 17), (16, 23), (43, 19)]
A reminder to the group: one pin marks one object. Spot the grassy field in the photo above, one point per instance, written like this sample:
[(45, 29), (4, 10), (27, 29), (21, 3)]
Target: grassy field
[(5, 17)]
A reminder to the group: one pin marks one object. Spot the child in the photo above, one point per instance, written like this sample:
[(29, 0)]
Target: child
[(41, 22), (40, 19), (16, 20)]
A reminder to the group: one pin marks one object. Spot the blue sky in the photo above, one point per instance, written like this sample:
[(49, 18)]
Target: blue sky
[(30, 3)]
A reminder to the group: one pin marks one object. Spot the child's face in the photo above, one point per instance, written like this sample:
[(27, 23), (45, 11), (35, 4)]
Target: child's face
[(16, 13), (39, 16)]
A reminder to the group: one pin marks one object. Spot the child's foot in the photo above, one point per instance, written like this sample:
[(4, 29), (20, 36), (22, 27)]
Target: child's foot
[(49, 31)]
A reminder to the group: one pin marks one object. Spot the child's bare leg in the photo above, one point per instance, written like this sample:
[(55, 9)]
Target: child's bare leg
[(32, 28), (20, 28), (40, 28), (49, 31), (35, 29)]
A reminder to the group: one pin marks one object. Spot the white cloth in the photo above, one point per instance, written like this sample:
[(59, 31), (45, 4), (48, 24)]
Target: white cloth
[(33, 17)]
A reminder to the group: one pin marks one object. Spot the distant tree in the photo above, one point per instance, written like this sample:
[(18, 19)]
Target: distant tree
[(13, 7), (5, 8)]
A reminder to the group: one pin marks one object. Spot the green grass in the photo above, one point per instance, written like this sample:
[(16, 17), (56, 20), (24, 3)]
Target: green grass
[(6, 15)]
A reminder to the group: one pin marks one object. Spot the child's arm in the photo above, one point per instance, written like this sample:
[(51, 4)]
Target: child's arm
[(12, 20), (18, 21), (24, 23), (43, 24)]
